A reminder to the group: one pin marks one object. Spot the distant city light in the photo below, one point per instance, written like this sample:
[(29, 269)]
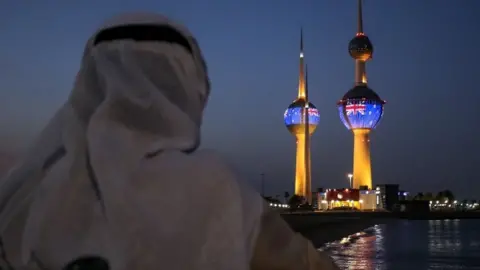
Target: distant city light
[(279, 205)]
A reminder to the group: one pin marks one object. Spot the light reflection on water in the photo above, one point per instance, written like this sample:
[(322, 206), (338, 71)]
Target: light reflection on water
[(412, 245)]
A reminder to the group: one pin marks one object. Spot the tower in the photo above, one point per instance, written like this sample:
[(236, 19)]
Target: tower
[(361, 108), (301, 119)]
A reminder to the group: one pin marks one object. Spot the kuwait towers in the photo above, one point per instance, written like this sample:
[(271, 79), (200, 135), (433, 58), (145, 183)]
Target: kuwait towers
[(301, 119), (361, 109)]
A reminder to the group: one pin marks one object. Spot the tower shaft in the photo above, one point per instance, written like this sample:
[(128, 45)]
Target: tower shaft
[(362, 170), (360, 72), (306, 118), (303, 186)]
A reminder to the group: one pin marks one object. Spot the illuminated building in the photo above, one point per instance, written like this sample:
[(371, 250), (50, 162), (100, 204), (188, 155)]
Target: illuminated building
[(361, 108), (345, 198), (301, 119)]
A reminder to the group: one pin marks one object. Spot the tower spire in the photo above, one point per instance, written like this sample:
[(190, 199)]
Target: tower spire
[(301, 41), (301, 76), (361, 49), (359, 19)]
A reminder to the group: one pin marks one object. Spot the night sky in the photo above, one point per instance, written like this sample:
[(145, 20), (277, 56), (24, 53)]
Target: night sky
[(426, 65)]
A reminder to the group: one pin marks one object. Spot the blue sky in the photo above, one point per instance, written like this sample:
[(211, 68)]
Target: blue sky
[(425, 65)]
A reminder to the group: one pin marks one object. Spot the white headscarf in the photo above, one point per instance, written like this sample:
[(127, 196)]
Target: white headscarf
[(130, 100)]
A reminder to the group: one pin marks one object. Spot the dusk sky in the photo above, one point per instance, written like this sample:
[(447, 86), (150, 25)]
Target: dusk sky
[(426, 65)]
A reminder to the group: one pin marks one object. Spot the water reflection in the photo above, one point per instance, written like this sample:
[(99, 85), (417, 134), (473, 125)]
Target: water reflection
[(447, 244), (362, 251), (444, 238)]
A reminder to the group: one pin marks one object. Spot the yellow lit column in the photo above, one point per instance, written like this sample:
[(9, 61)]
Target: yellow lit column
[(308, 174), (362, 171), (300, 177)]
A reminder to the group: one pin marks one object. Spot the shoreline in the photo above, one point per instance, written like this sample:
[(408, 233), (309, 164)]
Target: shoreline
[(330, 232), (322, 229), (434, 215), (325, 227)]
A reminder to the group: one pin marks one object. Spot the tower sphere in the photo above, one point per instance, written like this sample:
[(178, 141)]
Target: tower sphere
[(360, 48), (295, 121), (360, 107)]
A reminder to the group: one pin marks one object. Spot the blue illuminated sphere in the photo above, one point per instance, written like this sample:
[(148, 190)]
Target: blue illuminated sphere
[(360, 107), (295, 121)]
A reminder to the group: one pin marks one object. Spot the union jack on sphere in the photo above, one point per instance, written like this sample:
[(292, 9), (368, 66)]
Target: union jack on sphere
[(312, 112), (353, 109)]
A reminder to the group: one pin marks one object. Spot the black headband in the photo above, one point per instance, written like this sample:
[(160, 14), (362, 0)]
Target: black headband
[(143, 32)]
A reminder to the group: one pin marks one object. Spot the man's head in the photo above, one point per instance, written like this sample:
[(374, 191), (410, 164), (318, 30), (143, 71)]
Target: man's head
[(149, 74)]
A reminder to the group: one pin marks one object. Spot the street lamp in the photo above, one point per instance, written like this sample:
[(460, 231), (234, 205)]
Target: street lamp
[(350, 179)]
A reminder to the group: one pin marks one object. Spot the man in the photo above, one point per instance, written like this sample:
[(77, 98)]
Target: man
[(114, 181)]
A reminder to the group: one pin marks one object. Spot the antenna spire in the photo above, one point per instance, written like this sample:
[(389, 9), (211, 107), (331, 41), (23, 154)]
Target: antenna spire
[(359, 18), (301, 40), (301, 76)]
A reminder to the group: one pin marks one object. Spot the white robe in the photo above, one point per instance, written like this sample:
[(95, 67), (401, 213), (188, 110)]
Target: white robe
[(115, 175)]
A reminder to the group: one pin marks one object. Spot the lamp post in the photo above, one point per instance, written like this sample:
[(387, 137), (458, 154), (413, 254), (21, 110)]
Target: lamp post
[(350, 179)]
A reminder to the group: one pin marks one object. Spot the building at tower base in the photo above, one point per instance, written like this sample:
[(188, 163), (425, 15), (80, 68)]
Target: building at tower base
[(348, 199)]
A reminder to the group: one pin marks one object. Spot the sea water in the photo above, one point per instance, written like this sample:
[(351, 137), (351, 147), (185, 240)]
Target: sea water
[(411, 245)]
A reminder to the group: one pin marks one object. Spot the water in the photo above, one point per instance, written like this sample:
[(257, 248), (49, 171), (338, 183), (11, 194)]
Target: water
[(412, 245)]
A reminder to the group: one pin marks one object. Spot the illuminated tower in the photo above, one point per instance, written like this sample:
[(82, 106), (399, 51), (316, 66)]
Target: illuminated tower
[(361, 108), (301, 119)]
